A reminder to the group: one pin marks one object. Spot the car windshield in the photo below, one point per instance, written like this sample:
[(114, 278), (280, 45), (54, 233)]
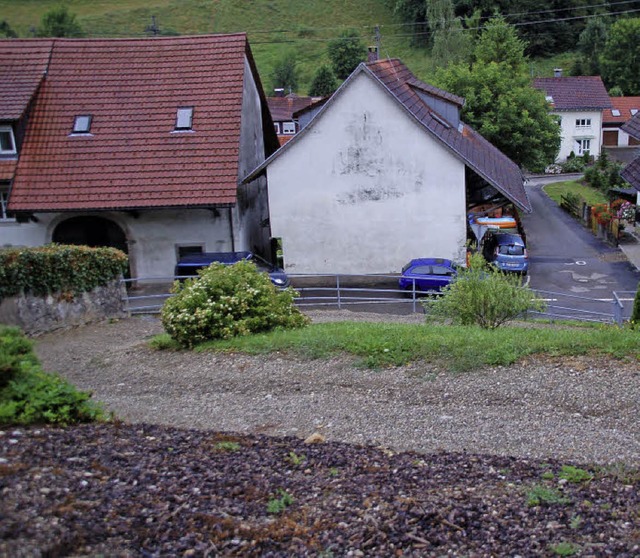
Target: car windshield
[(511, 250)]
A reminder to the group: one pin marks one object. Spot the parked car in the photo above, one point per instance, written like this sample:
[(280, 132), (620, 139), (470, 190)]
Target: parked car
[(188, 266), (427, 274), (507, 252)]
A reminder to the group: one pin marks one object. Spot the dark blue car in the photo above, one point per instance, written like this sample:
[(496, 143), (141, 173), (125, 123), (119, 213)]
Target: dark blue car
[(188, 266), (427, 274)]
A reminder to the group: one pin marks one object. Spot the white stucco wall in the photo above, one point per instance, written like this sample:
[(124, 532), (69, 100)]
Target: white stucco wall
[(366, 189), (152, 236), (570, 133)]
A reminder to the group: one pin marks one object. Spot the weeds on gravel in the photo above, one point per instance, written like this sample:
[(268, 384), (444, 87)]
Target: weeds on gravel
[(278, 505), (565, 549), (296, 459), (574, 474), (540, 495), (456, 348), (226, 446)]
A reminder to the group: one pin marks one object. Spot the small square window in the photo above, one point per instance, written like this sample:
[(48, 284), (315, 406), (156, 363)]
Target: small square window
[(7, 142), (184, 118), (82, 124), (289, 128), (615, 112)]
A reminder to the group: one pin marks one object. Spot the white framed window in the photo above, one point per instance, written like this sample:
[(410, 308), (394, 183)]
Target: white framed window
[(634, 112), (4, 201), (289, 128), (583, 122), (276, 126), (82, 124), (583, 145), (7, 141), (615, 112), (184, 118)]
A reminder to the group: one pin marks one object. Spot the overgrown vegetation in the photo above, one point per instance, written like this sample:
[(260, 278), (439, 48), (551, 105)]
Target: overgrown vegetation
[(604, 174), (58, 268), (280, 503), (453, 348), (226, 301), (574, 188), (635, 311), (29, 395), (540, 495), (484, 296)]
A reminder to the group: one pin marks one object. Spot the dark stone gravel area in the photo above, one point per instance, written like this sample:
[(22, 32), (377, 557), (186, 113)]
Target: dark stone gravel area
[(151, 491)]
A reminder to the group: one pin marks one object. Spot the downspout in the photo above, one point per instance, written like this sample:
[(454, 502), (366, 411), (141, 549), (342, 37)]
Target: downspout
[(233, 241)]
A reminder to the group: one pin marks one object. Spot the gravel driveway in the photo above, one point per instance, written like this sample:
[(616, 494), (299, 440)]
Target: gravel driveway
[(578, 409)]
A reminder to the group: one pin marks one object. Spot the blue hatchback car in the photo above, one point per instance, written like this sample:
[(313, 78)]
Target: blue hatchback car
[(427, 274), (507, 252)]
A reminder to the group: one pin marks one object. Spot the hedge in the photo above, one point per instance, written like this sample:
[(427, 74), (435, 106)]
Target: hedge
[(58, 268)]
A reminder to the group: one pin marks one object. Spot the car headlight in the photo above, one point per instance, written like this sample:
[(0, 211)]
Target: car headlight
[(278, 281)]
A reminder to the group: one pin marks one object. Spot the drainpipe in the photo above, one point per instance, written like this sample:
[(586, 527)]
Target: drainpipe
[(233, 240)]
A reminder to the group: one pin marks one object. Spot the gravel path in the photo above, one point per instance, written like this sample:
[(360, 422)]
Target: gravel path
[(579, 409)]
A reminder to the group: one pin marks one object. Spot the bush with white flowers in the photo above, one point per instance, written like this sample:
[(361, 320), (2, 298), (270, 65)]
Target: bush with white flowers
[(225, 301)]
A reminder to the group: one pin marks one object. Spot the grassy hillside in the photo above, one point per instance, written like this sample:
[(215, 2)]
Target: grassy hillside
[(274, 27)]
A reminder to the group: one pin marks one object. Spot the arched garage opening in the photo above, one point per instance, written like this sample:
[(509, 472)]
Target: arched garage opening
[(90, 231)]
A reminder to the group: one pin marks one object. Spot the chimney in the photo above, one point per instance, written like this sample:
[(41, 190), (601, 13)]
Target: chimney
[(279, 92), (557, 72), (373, 54)]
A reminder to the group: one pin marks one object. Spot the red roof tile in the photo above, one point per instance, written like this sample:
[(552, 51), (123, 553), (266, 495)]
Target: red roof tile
[(623, 106), (7, 168), (23, 64), (132, 157), (575, 92), (282, 108)]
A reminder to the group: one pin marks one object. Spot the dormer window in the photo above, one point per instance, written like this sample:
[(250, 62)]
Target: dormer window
[(184, 118), (7, 141), (289, 128), (82, 124), (634, 112), (615, 112)]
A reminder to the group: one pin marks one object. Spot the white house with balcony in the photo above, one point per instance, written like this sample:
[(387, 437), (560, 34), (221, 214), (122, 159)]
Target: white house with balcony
[(579, 103)]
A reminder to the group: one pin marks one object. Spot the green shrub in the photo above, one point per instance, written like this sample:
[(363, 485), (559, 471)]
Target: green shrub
[(484, 296), (635, 312), (225, 301), (573, 164), (58, 268), (28, 395)]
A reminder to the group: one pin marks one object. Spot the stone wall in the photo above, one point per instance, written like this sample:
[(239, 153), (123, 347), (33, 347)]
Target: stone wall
[(39, 314)]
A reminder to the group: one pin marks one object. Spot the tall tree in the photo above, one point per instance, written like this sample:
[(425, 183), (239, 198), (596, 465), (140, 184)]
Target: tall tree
[(6, 30), (346, 53), (500, 102), (451, 44), (285, 73), (620, 60), (413, 13), (324, 83), (590, 46), (59, 22)]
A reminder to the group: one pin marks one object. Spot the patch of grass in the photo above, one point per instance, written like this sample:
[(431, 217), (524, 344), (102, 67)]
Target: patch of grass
[(592, 196), (455, 348), (163, 342), (540, 495), (226, 446), (565, 549), (574, 474), (296, 459), (277, 505)]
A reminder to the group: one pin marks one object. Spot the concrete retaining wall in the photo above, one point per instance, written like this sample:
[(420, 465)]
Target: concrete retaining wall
[(36, 314)]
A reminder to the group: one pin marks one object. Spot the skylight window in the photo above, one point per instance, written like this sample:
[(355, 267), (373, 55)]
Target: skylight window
[(615, 112), (184, 118), (7, 141), (82, 124), (634, 112)]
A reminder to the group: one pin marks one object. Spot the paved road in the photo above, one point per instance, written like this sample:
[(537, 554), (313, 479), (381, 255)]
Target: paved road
[(566, 258)]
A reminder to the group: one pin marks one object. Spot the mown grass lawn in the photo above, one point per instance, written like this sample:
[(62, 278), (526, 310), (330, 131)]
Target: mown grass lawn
[(592, 196), (455, 348)]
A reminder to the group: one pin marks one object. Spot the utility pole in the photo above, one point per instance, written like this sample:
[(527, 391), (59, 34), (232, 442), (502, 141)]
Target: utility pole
[(378, 40)]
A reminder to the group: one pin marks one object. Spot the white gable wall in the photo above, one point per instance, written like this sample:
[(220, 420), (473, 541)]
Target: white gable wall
[(366, 189), (570, 132)]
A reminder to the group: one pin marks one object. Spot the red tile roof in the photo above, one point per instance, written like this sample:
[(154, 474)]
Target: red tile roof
[(132, 157), (7, 168), (282, 108), (479, 155), (624, 105), (575, 92), (23, 64)]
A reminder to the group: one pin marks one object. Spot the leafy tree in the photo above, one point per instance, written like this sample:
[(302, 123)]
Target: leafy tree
[(413, 12), (590, 44), (324, 83), (59, 22), (620, 60), (6, 31), (500, 102), (285, 73), (450, 42), (346, 53)]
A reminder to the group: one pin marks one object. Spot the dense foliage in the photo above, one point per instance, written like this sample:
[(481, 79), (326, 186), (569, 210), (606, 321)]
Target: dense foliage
[(500, 102), (324, 83), (620, 61), (482, 295), (285, 73), (604, 174), (225, 301), (635, 312), (29, 395), (345, 53), (58, 268), (59, 22)]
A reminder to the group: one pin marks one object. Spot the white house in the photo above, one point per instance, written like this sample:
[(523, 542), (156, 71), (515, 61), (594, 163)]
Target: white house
[(383, 173), (134, 143), (578, 102)]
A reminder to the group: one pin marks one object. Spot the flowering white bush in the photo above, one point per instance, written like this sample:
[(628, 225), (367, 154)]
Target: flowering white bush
[(225, 301)]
